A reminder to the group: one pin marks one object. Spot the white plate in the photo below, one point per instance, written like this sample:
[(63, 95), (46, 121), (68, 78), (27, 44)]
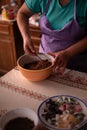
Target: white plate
[(51, 127)]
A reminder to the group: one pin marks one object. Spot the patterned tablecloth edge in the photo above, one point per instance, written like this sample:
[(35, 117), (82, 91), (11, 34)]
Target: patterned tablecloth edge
[(23, 91), (71, 78)]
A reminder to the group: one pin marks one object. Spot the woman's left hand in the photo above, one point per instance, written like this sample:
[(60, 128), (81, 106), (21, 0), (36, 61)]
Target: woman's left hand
[(61, 60)]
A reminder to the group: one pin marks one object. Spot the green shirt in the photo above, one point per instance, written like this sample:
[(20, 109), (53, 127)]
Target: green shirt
[(59, 15)]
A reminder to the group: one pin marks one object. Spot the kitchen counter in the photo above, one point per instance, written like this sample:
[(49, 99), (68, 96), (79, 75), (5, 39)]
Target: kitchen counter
[(16, 91)]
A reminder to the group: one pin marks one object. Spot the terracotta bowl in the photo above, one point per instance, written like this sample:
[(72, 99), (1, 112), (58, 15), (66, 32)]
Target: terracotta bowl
[(34, 75)]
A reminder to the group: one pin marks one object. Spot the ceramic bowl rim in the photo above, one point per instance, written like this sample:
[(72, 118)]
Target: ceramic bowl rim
[(33, 71), (9, 115)]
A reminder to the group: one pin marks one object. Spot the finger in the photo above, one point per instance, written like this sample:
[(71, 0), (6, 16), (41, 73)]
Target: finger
[(59, 70), (56, 68), (28, 50), (58, 62), (32, 48), (62, 68)]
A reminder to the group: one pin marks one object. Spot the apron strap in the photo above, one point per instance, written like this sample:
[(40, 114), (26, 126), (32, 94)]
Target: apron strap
[(47, 6), (75, 10)]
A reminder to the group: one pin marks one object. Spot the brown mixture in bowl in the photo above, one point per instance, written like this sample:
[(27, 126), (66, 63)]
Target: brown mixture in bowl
[(20, 124), (38, 65)]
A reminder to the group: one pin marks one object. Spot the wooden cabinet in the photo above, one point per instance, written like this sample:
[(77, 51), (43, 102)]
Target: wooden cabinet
[(10, 45), (35, 35)]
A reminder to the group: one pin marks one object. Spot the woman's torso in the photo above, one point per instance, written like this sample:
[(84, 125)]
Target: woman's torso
[(63, 14)]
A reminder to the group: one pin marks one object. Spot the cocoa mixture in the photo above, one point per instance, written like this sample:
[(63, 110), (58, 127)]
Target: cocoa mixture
[(20, 124), (38, 65)]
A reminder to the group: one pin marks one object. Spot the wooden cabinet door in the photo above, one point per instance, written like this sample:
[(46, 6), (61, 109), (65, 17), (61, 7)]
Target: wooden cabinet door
[(11, 47), (6, 56)]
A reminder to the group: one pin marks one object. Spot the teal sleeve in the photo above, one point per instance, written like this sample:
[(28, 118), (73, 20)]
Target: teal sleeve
[(33, 5)]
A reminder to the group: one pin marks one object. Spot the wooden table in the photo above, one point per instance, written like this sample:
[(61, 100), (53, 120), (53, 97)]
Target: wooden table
[(16, 91)]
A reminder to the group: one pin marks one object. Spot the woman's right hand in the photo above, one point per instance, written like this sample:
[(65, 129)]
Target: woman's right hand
[(29, 46)]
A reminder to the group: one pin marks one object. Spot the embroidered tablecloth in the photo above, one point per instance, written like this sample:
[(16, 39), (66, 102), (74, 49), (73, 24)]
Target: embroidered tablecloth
[(16, 91), (71, 78)]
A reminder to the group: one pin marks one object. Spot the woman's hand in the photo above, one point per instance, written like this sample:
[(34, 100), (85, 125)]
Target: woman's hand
[(28, 46), (61, 60)]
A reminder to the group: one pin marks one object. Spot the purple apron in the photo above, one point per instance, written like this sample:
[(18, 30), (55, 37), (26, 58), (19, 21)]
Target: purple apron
[(57, 40)]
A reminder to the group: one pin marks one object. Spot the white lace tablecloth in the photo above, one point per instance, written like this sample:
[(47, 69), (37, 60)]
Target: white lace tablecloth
[(16, 91)]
